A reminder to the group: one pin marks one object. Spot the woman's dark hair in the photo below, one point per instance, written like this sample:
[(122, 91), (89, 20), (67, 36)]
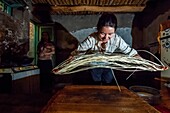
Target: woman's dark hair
[(107, 19), (42, 40)]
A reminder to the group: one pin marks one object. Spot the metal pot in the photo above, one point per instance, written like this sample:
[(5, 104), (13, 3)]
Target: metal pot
[(149, 94)]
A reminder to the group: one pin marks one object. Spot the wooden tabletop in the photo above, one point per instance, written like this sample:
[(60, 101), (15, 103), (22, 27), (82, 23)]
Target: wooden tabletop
[(97, 99)]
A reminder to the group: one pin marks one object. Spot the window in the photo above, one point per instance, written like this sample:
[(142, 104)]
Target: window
[(5, 8)]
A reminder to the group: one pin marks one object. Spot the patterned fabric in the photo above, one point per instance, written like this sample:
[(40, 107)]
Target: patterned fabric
[(162, 27), (115, 44), (46, 51)]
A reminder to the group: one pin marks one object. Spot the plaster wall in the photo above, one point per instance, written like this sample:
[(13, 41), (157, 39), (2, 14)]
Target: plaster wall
[(77, 22), (82, 25)]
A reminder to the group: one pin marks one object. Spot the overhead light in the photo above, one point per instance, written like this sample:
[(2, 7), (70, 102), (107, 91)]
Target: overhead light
[(26, 7)]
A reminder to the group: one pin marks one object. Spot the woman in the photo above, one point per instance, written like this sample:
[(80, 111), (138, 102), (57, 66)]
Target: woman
[(106, 41), (45, 52)]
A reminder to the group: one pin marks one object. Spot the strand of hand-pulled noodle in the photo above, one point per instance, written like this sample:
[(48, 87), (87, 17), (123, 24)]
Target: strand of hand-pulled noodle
[(116, 80), (148, 61), (118, 61), (130, 74), (70, 67), (153, 56)]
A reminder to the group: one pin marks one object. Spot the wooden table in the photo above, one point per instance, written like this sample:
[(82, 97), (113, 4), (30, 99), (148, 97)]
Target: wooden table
[(97, 99)]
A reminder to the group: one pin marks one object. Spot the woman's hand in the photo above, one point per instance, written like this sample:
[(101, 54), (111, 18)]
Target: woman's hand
[(137, 56)]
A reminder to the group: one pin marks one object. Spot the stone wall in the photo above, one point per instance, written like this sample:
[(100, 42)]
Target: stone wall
[(14, 38)]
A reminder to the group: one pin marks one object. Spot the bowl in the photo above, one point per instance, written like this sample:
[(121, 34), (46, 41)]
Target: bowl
[(167, 85), (149, 94)]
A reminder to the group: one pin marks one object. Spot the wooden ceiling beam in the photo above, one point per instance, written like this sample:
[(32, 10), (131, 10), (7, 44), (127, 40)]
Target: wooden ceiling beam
[(72, 9)]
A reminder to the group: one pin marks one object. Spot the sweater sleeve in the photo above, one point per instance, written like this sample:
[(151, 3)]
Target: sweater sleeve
[(125, 48), (86, 44)]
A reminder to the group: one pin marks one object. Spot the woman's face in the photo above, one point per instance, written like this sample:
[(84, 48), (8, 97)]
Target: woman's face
[(106, 33)]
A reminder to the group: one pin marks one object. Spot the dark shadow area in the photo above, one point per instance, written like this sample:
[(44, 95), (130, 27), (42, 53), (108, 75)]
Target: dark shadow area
[(42, 13), (64, 41), (153, 9)]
